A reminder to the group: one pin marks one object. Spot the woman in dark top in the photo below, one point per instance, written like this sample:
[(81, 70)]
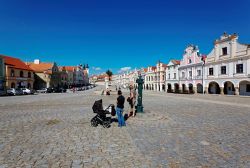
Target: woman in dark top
[(119, 109)]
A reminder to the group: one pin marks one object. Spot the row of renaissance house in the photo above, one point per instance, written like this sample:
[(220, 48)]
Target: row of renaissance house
[(14, 73), (225, 70)]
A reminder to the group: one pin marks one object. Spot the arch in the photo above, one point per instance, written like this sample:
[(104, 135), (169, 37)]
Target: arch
[(159, 87), (244, 88), (29, 74), (213, 88), (183, 88), (13, 85), (146, 86), (21, 73), (169, 90), (29, 85), (199, 88), (229, 88), (190, 88), (163, 87), (176, 88)]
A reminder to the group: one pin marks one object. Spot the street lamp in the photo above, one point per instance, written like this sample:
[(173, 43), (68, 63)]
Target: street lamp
[(203, 59)]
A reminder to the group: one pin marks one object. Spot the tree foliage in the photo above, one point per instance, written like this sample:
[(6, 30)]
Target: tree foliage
[(109, 73)]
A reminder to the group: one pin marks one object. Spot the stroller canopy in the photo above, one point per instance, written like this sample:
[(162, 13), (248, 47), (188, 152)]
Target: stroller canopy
[(97, 107)]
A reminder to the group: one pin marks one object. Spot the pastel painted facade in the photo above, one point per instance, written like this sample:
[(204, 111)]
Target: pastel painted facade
[(150, 78), (160, 77), (2, 76), (46, 74), (70, 70), (64, 77), (17, 73), (190, 71), (227, 68), (172, 76)]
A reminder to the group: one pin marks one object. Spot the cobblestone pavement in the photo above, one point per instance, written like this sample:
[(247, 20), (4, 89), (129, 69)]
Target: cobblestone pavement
[(53, 130)]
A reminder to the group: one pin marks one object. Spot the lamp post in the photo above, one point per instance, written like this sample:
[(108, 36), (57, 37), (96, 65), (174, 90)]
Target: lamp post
[(203, 58), (139, 81)]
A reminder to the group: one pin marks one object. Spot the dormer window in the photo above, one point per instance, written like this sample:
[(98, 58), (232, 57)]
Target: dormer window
[(224, 51)]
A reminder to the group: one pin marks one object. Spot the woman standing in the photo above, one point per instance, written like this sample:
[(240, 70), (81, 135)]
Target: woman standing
[(119, 109)]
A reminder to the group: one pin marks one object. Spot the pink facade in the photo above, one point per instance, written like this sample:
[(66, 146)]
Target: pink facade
[(190, 70)]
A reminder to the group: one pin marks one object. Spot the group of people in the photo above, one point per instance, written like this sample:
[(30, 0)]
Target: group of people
[(120, 105)]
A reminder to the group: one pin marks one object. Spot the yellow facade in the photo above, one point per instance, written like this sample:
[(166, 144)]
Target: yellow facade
[(16, 78)]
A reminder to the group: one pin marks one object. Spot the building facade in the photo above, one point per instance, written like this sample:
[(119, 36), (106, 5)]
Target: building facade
[(190, 71), (46, 74), (172, 76), (150, 77), (17, 73), (160, 77), (227, 67), (2, 76)]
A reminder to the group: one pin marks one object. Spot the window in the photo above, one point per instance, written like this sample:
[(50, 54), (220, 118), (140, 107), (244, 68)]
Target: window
[(12, 73), (223, 69), (13, 85), (183, 74), (248, 88), (174, 75), (168, 76), (224, 51), (198, 72), (211, 71), (239, 68), (190, 74), (29, 75), (21, 73), (189, 61)]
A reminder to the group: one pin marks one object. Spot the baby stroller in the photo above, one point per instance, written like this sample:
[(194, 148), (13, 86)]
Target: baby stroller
[(100, 117)]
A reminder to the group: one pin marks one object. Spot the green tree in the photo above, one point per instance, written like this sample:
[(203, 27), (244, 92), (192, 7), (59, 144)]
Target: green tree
[(109, 73)]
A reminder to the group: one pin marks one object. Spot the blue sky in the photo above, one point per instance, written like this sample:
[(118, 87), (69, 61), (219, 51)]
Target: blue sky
[(111, 34)]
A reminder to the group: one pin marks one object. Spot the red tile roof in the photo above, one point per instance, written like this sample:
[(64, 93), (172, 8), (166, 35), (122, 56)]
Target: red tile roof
[(176, 62), (70, 68), (15, 63), (41, 67), (67, 68)]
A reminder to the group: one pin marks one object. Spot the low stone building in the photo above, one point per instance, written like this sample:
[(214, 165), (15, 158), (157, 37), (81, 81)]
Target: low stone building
[(46, 74), (17, 73), (227, 67)]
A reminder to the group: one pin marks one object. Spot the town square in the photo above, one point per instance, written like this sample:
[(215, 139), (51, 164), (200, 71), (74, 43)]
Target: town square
[(124, 84), (53, 130)]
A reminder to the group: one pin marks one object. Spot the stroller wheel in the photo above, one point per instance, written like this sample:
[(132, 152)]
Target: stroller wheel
[(106, 124), (94, 122)]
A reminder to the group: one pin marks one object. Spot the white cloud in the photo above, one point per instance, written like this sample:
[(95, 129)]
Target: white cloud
[(124, 69), (96, 68)]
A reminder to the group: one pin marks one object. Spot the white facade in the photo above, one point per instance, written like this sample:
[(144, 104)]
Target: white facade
[(227, 68), (172, 76)]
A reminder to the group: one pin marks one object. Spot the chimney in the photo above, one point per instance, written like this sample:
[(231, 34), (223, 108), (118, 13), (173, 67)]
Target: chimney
[(36, 61)]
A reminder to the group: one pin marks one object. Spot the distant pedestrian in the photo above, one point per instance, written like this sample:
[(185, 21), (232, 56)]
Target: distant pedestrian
[(119, 109), (132, 100)]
